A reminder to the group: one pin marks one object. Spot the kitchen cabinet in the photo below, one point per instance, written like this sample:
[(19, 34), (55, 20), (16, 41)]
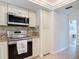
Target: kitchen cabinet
[(3, 50), (32, 18), (15, 10), (3, 13), (35, 47), (45, 32)]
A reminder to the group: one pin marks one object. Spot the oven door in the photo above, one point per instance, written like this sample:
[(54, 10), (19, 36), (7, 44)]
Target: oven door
[(12, 49)]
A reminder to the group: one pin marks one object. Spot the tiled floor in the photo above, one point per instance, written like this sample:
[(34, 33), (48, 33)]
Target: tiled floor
[(70, 53)]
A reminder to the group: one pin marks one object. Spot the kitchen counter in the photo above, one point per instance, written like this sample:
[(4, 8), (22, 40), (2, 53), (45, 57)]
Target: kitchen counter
[(17, 39), (35, 36)]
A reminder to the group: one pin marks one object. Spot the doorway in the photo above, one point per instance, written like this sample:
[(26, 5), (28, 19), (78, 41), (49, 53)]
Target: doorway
[(73, 32)]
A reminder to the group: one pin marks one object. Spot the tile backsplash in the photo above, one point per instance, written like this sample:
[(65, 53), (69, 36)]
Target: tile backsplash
[(33, 32), (4, 29)]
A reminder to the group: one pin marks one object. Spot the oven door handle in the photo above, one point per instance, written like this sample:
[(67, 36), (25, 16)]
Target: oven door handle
[(15, 41)]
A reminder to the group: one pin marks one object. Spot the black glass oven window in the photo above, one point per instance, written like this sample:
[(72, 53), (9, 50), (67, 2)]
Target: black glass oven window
[(17, 19), (13, 54)]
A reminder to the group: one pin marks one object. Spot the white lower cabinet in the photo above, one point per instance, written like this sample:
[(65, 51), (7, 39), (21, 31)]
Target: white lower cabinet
[(3, 50), (35, 47)]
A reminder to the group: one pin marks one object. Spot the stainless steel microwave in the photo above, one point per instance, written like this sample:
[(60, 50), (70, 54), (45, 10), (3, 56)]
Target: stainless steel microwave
[(17, 20)]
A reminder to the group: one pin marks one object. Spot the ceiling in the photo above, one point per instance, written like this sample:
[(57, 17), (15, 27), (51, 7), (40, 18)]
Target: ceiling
[(53, 3), (27, 4), (49, 1), (39, 4), (71, 11), (23, 3)]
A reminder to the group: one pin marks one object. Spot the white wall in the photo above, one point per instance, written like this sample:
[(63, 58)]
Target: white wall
[(54, 34), (77, 15), (59, 31), (78, 32)]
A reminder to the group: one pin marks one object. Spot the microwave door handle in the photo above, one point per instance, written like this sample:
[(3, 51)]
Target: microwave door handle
[(28, 20)]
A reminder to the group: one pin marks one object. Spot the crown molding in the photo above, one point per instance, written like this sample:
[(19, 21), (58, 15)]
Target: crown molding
[(55, 5), (63, 3), (41, 3)]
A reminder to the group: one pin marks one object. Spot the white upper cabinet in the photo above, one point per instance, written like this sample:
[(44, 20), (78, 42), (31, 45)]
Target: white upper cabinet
[(32, 18), (3, 13), (17, 11)]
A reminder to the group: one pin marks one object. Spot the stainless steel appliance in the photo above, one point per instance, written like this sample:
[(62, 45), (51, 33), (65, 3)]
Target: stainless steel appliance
[(13, 37), (17, 20)]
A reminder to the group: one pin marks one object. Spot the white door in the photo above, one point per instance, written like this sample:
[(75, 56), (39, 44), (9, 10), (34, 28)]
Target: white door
[(73, 32)]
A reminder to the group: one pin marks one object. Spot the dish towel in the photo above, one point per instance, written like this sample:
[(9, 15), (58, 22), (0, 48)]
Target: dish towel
[(22, 46)]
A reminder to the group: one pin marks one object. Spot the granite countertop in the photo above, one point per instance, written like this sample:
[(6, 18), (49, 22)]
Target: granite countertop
[(3, 38), (33, 32), (35, 36)]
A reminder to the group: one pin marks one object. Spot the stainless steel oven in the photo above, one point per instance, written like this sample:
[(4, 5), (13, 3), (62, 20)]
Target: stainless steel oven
[(12, 45)]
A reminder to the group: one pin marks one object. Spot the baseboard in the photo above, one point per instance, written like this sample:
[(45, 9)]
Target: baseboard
[(46, 54), (60, 50), (42, 55)]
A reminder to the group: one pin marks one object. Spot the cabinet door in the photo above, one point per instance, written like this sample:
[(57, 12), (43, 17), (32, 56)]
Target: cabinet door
[(17, 11), (13, 10), (45, 32), (24, 12), (3, 13), (35, 47), (3, 50), (32, 18)]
